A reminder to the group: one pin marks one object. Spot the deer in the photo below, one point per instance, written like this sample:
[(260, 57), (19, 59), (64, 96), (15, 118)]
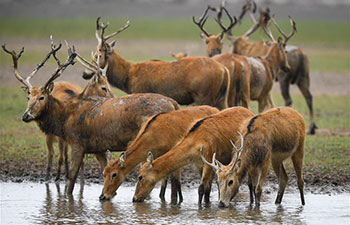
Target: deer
[(158, 136), (97, 86), (297, 59), (273, 136), (212, 134), (179, 55), (190, 80), (88, 124)]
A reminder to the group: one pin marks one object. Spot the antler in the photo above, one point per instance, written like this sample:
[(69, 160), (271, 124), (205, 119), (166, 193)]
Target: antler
[(81, 60), (15, 58), (251, 6), (213, 164), (202, 21), (287, 37), (238, 150), (218, 19), (60, 67), (100, 38)]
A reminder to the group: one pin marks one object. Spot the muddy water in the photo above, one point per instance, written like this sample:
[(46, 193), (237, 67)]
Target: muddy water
[(35, 203)]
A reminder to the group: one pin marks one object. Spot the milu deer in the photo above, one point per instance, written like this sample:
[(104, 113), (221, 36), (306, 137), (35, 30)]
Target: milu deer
[(273, 137), (97, 86), (297, 60), (213, 134), (89, 125), (197, 80), (158, 135)]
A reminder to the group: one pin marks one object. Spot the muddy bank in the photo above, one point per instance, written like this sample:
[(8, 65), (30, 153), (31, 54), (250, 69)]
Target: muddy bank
[(318, 182)]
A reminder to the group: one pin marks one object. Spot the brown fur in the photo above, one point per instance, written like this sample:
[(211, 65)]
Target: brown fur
[(213, 133), (299, 71), (158, 135), (252, 77), (274, 136), (93, 124), (197, 80)]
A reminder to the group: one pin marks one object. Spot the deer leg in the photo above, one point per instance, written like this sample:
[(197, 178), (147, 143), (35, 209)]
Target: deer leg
[(102, 160), (303, 86), (284, 86), (282, 179), (77, 157), (264, 172), (255, 179), (66, 163), (50, 151), (205, 185), (163, 188), (251, 191), (270, 101), (61, 146), (176, 186), (262, 104), (297, 159)]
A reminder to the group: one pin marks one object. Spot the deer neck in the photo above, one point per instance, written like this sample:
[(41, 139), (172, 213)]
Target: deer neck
[(273, 61), (51, 120), (118, 72), (240, 45), (179, 156)]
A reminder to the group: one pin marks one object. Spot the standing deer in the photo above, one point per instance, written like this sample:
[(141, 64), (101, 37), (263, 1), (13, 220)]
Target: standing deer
[(213, 134), (158, 135), (297, 59), (197, 80), (97, 86), (273, 137), (92, 124)]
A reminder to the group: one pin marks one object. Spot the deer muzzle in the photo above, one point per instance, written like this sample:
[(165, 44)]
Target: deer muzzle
[(27, 117), (87, 75)]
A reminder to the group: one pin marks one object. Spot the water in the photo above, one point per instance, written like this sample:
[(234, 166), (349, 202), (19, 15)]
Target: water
[(35, 203)]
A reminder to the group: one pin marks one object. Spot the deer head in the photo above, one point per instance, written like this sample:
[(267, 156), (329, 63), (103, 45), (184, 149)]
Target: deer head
[(214, 42), (104, 49), (98, 84), (227, 175), (146, 178), (38, 96)]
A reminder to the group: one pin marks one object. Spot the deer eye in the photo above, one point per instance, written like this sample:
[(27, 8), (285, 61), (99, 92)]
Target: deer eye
[(41, 98), (114, 175), (140, 178), (28, 97), (230, 182), (104, 89)]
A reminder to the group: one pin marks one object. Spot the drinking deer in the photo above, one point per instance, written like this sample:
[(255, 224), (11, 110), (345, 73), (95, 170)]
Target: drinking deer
[(158, 135), (272, 136), (197, 80), (213, 134), (92, 124)]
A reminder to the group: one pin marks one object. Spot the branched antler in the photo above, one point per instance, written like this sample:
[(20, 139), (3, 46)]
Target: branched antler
[(60, 67), (238, 150), (101, 27), (219, 16), (286, 37), (213, 164), (202, 21)]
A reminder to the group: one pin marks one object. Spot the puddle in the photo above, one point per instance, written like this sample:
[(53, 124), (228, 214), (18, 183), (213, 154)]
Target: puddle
[(35, 203)]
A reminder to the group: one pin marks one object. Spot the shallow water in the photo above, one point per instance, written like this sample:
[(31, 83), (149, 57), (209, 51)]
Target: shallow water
[(35, 203)]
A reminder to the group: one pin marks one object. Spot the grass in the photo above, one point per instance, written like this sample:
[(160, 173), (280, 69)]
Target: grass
[(170, 28), (21, 141)]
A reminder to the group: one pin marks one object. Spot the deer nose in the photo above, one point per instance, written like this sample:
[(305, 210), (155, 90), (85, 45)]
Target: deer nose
[(103, 197), (215, 52), (27, 117), (222, 205)]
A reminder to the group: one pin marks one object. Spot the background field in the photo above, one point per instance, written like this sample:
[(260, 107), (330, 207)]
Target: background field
[(324, 40)]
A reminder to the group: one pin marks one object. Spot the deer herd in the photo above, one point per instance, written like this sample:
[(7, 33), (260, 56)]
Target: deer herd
[(148, 126)]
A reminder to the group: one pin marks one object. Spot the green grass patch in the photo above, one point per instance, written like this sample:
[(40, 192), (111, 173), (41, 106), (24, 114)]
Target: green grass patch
[(168, 28)]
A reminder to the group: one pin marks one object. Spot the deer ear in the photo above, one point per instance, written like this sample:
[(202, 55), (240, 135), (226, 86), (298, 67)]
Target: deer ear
[(112, 44), (122, 158), (204, 37), (149, 159), (108, 155)]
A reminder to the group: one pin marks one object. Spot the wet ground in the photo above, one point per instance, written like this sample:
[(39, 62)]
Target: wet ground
[(41, 203)]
